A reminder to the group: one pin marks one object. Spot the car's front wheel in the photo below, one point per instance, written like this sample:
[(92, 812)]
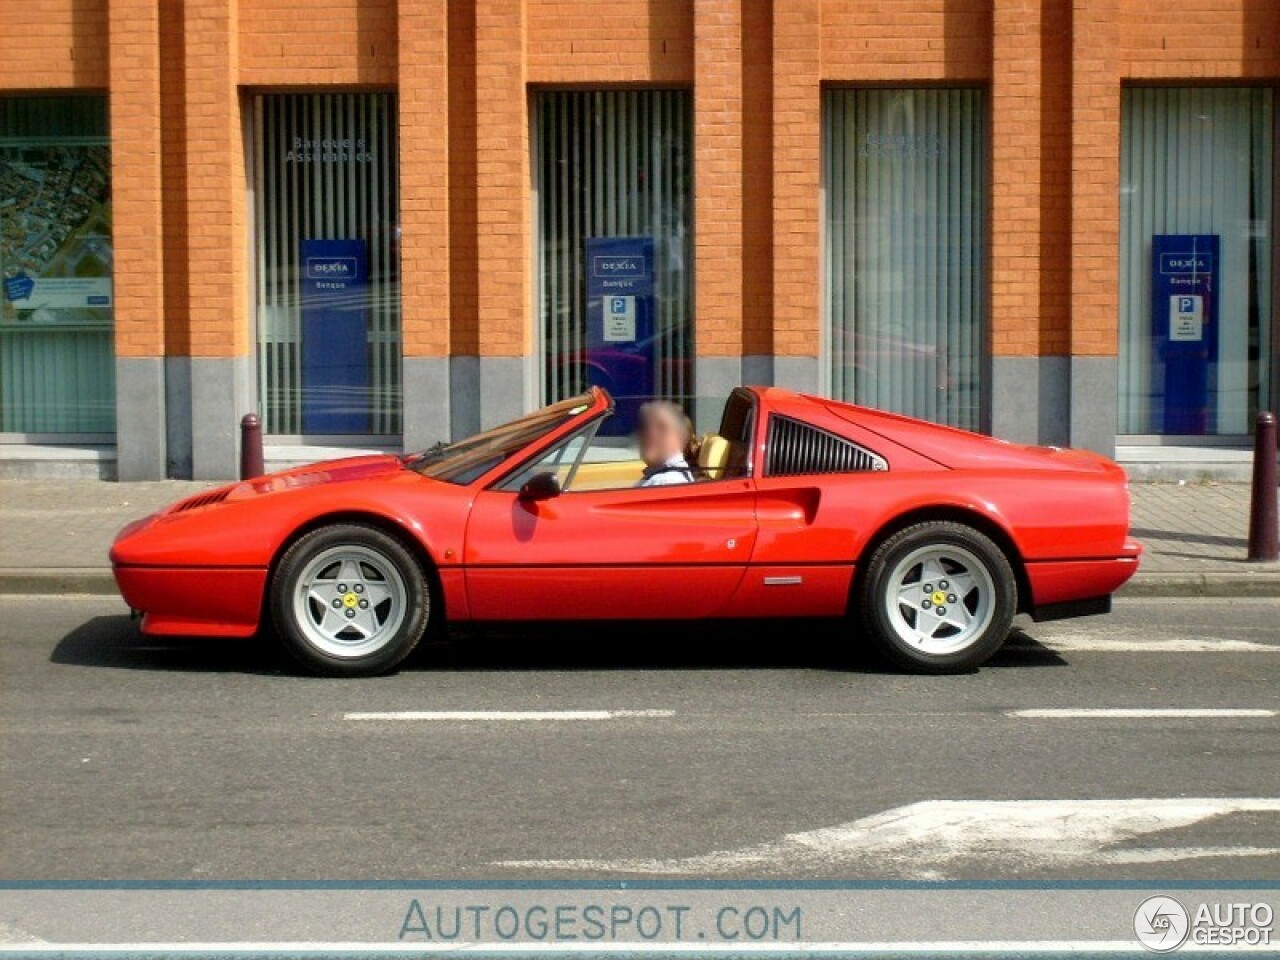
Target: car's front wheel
[(938, 597), (348, 600)]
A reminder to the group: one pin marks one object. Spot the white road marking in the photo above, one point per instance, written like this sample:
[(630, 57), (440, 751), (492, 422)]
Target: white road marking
[(1087, 713), (517, 715), (924, 840), (1175, 854), (11, 935), (1129, 641)]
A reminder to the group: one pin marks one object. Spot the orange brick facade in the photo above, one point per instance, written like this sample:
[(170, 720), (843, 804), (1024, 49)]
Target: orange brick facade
[(178, 75)]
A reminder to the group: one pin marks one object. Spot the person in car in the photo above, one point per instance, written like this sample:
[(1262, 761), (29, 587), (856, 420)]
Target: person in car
[(665, 436)]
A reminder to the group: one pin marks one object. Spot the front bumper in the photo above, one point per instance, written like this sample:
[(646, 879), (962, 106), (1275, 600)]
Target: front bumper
[(194, 601)]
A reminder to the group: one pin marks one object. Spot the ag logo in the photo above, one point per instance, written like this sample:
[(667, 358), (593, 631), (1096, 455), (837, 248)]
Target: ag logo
[(1161, 924)]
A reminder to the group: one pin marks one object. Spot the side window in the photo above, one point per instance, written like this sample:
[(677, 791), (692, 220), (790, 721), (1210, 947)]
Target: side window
[(584, 461), (737, 431), (793, 449), (561, 460)]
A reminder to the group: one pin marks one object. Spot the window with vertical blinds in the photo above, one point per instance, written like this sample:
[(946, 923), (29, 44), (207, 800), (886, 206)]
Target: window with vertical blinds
[(57, 364), (327, 266), (1197, 161), (613, 164), (904, 192)]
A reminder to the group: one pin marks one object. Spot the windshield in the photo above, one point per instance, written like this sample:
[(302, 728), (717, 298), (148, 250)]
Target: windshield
[(469, 459)]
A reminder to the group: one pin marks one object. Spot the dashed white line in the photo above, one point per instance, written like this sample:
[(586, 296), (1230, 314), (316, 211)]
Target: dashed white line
[(507, 715), (1128, 641), (1089, 713)]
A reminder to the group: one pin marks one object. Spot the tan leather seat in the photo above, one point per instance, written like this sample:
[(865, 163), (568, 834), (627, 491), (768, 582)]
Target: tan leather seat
[(713, 456)]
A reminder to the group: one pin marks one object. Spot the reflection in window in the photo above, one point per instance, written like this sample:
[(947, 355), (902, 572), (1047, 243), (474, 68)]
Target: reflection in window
[(1196, 172), (905, 246), (327, 263), (613, 177), (57, 368)]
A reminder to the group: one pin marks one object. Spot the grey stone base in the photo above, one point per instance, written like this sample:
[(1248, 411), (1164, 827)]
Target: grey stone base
[(177, 403), (1094, 404), (427, 401), (796, 373), (488, 391), (221, 393), (140, 418), (1029, 399)]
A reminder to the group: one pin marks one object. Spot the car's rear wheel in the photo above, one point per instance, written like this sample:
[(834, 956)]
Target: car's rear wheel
[(938, 597), (349, 600)]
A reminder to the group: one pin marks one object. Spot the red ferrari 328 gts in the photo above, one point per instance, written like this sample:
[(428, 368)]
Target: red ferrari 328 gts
[(928, 539)]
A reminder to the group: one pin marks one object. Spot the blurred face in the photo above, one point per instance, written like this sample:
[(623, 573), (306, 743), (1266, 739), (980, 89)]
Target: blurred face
[(659, 438)]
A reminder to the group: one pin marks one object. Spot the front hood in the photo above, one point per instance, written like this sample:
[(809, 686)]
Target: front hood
[(311, 475), (329, 471)]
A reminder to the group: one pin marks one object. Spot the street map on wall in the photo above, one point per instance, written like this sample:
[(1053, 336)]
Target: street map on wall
[(55, 234)]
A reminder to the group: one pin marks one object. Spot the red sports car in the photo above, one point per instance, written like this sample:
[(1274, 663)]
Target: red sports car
[(928, 539)]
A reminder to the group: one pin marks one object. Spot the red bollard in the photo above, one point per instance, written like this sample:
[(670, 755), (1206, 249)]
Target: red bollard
[(251, 447), (1264, 528)]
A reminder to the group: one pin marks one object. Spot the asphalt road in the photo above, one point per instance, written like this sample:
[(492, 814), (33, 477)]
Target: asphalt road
[(770, 751)]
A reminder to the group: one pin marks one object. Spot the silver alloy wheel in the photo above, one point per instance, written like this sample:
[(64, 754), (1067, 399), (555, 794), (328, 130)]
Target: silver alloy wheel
[(940, 599), (349, 601)]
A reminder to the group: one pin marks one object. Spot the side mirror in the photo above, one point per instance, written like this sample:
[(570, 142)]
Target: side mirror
[(541, 486)]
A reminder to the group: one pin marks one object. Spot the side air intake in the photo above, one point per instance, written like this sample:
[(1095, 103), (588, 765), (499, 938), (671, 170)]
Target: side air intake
[(795, 448)]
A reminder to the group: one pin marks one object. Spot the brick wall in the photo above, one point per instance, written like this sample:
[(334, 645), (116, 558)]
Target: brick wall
[(797, 156), (1200, 39), (502, 179), (883, 40), (54, 44), (323, 41), (424, 178), (136, 198), (613, 41), (1030, 153), (1095, 178), (216, 263), (717, 136)]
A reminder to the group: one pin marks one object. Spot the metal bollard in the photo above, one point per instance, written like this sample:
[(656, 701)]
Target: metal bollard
[(251, 447), (1264, 528)]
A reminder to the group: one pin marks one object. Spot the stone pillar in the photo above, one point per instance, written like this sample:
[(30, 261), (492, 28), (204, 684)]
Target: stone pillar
[(424, 220), (137, 238)]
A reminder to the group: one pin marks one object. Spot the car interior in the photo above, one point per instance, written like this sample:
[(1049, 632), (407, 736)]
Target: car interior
[(587, 461)]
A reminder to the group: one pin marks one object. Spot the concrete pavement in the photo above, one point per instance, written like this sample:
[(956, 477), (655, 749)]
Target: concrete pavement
[(1142, 745), (58, 532)]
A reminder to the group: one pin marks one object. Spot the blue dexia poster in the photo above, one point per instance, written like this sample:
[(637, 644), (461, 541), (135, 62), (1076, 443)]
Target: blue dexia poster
[(335, 340), (620, 323), (1184, 327)]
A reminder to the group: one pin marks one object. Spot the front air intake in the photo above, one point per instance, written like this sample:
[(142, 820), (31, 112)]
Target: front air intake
[(795, 449), (202, 500)]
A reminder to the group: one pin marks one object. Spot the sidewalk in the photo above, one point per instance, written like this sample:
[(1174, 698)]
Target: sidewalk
[(56, 535)]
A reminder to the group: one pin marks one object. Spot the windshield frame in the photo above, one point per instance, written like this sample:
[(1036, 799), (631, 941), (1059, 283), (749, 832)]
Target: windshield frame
[(474, 459)]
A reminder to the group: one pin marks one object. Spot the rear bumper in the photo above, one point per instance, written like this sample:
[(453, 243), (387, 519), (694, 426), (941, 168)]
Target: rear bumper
[(194, 601), (1061, 586)]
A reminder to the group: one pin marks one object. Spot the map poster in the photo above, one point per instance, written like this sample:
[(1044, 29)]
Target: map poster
[(55, 234)]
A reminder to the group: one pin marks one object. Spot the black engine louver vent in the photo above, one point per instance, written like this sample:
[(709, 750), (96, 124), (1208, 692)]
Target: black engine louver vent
[(203, 500), (795, 448)]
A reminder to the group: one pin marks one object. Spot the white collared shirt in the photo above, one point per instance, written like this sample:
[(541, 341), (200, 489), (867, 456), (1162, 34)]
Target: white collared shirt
[(674, 470)]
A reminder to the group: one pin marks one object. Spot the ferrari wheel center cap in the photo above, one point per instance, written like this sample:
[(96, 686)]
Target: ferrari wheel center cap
[(350, 600), (938, 598)]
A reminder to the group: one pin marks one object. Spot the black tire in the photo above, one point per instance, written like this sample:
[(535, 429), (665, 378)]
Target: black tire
[(388, 556), (876, 585)]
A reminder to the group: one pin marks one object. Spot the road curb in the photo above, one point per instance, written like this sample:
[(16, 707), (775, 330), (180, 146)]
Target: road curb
[(1257, 583), (57, 581), (1248, 583)]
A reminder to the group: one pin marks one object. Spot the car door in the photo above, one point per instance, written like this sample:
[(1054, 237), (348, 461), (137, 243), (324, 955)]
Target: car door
[(629, 553)]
